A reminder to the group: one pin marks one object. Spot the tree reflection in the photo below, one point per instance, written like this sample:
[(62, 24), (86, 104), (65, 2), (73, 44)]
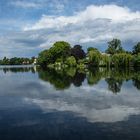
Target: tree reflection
[(19, 69), (136, 80), (93, 77), (114, 85), (116, 77), (63, 78), (59, 79), (78, 78), (136, 83)]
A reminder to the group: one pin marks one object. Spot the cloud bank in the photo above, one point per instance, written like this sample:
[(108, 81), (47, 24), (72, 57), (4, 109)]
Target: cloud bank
[(94, 26), (114, 13)]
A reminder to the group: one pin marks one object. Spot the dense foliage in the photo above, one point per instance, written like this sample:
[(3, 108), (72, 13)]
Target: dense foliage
[(114, 47), (78, 52), (136, 49), (62, 55)]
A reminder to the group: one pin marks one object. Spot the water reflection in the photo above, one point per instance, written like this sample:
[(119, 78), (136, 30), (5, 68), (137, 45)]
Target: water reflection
[(69, 104), (15, 69), (63, 79)]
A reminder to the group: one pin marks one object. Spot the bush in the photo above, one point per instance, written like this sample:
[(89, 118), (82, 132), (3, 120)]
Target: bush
[(71, 61)]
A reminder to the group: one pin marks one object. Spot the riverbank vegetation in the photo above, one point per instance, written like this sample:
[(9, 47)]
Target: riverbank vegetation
[(62, 55), (17, 61)]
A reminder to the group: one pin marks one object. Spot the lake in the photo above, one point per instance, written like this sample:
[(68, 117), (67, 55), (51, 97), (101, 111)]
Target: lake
[(70, 104)]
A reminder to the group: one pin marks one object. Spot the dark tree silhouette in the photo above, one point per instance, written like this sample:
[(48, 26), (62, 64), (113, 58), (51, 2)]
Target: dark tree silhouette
[(78, 52)]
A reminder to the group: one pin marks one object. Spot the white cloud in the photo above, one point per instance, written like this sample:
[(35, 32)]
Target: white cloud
[(52, 22), (108, 115), (95, 103), (112, 12), (96, 24)]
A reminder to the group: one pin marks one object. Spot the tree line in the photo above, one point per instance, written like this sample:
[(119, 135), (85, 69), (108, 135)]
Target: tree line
[(62, 55), (17, 61)]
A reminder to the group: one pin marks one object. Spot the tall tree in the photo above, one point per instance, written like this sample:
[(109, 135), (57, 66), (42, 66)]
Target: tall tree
[(44, 58), (60, 49), (136, 48), (94, 57), (114, 46), (92, 49)]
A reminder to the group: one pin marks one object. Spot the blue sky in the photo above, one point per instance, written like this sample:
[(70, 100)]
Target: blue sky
[(29, 26)]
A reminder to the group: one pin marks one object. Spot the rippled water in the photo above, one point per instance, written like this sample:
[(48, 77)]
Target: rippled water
[(69, 104)]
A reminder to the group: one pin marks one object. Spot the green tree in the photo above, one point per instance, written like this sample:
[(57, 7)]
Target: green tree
[(92, 49), (71, 61), (5, 61), (136, 48), (114, 46), (60, 49), (78, 52), (122, 60), (105, 60), (94, 57), (44, 58)]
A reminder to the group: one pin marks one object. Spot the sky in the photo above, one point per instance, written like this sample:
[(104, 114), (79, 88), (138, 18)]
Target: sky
[(30, 26)]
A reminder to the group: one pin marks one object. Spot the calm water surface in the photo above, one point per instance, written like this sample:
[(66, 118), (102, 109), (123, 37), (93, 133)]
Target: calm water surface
[(69, 104)]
